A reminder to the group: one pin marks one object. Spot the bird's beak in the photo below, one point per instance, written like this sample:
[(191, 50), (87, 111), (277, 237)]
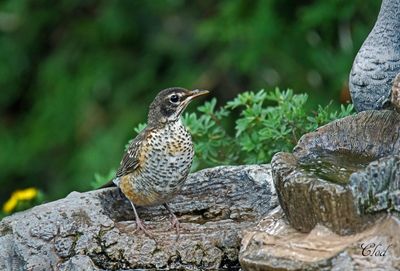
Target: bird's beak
[(189, 97), (196, 93)]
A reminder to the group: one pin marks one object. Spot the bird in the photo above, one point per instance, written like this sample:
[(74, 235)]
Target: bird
[(158, 160), (378, 61)]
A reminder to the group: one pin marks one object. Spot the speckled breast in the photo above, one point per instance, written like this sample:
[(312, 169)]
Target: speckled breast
[(167, 156)]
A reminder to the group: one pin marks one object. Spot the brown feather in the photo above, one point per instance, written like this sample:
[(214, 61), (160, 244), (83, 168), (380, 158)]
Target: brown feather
[(130, 161)]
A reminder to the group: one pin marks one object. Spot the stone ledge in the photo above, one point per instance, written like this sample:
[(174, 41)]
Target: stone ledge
[(95, 230)]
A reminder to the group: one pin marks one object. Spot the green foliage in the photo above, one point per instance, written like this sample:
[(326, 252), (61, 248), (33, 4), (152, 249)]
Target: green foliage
[(100, 179), (76, 76), (212, 142)]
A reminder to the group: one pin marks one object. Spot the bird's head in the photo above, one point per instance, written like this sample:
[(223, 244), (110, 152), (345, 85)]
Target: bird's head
[(170, 103)]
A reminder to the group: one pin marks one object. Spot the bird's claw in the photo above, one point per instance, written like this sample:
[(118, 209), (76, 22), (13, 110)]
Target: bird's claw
[(140, 226)]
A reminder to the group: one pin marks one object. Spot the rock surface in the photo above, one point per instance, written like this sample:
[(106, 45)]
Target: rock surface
[(95, 230), (396, 93), (372, 134), (308, 200), (318, 183), (377, 187), (275, 245), (378, 61)]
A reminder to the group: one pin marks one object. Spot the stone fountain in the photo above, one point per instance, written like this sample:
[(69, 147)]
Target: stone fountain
[(378, 61), (339, 190), (338, 194)]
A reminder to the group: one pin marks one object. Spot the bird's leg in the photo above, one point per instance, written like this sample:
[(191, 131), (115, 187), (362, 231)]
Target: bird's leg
[(139, 223), (174, 220)]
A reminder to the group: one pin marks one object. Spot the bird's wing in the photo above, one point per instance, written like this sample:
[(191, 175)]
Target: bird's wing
[(130, 161)]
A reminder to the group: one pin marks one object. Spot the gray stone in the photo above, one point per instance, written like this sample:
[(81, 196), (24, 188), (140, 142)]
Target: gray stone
[(308, 200), (78, 263), (374, 134), (378, 61), (274, 245), (377, 187), (332, 177), (96, 230), (396, 93)]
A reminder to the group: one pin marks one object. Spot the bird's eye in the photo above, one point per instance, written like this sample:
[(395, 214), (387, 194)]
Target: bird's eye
[(174, 98)]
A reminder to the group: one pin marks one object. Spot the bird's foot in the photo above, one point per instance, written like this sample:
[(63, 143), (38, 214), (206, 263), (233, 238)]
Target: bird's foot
[(396, 93), (174, 220), (175, 224), (140, 226)]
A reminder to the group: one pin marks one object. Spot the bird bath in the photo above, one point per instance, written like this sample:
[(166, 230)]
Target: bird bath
[(344, 175), (335, 167)]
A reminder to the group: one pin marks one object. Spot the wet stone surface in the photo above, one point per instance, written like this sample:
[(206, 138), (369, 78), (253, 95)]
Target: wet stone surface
[(274, 245), (334, 167), (345, 175), (377, 187), (308, 200)]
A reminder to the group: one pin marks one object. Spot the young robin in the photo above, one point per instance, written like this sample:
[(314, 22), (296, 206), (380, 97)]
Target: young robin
[(157, 162)]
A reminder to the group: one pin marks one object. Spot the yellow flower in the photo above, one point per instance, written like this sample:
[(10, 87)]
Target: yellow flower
[(10, 205), (25, 194)]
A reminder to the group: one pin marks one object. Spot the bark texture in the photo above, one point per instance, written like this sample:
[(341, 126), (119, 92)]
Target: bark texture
[(95, 230)]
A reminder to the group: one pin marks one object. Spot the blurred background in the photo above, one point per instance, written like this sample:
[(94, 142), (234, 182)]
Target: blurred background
[(77, 76)]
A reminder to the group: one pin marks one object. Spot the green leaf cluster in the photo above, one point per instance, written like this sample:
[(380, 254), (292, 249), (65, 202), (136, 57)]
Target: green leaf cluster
[(101, 179)]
